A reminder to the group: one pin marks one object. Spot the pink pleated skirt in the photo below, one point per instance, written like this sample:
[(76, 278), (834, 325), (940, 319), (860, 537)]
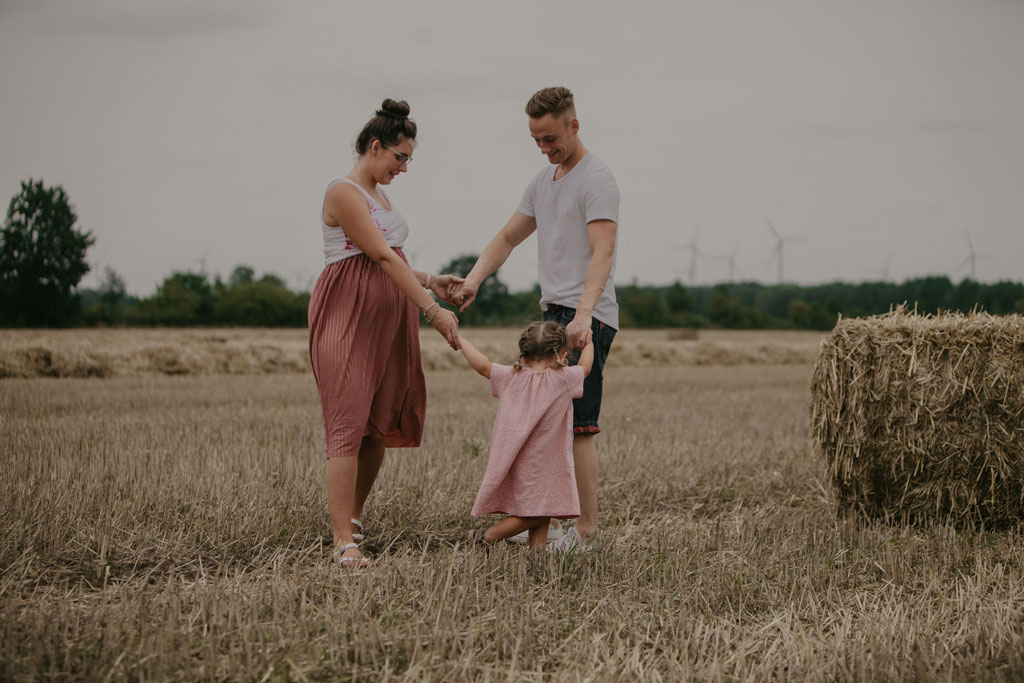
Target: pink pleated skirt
[(365, 348)]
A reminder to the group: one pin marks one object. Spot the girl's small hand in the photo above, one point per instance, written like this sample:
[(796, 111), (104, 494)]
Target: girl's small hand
[(444, 287), (447, 326)]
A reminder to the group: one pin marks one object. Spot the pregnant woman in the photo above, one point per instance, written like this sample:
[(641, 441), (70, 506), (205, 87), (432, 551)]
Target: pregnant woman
[(363, 332)]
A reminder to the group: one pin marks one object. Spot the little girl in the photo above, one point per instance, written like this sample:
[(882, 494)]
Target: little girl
[(529, 473)]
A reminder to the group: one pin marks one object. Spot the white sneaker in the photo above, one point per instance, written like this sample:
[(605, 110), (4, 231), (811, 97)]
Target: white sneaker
[(572, 542), (554, 535)]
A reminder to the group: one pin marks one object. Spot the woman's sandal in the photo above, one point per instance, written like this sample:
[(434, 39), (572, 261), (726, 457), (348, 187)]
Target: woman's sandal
[(360, 562), (358, 536)]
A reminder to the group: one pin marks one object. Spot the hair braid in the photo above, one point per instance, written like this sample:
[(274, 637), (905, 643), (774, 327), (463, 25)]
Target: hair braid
[(541, 341)]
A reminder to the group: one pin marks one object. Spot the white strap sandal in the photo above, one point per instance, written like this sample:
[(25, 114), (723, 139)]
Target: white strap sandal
[(358, 536), (360, 562)]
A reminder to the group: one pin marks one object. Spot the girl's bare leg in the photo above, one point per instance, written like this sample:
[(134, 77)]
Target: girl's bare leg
[(538, 538), (510, 526)]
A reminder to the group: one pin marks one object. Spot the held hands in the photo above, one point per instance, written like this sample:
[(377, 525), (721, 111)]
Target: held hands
[(443, 286), (445, 322), (463, 294), (578, 331)]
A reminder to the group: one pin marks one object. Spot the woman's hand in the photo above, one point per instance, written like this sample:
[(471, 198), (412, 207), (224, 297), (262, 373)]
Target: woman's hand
[(447, 325), (444, 286)]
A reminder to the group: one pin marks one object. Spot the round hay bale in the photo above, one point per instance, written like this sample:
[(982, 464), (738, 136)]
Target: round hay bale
[(922, 417)]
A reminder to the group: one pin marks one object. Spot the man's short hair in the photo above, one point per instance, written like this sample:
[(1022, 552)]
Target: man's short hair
[(556, 101)]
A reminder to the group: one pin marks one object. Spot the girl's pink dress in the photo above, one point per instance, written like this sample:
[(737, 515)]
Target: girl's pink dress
[(529, 469)]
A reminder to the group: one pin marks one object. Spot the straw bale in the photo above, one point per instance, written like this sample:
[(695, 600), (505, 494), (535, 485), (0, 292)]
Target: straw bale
[(124, 352), (40, 361), (922, 417), (684, 333)]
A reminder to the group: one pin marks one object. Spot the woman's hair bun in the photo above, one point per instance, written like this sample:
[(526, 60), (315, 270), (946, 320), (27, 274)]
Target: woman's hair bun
[(394, 109), (390, 124)]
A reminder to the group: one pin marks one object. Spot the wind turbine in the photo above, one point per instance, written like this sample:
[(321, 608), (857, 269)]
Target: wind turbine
[(202, 261), (780, 243), (972, 257), (884, 270), (731, 260), (695, 251), (303, 276)]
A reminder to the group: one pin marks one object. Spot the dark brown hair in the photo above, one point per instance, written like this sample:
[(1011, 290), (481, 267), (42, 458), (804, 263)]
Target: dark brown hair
[(556, 101), (541, 340), (391, 124)]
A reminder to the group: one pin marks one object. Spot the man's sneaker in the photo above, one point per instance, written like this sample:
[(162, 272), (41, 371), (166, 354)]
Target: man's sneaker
[(554, 534), (572, 542)]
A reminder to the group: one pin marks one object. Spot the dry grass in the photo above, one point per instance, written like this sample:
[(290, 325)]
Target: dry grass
[(161, 528), (240, 351)]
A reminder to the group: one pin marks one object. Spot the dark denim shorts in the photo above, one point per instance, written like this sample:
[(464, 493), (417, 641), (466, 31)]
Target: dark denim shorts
[(586, 410)]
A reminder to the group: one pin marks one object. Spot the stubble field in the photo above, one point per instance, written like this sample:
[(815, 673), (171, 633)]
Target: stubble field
[(167, 520)]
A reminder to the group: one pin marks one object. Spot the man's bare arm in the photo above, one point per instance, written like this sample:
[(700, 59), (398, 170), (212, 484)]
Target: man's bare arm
[(518, 228), (601, 236)]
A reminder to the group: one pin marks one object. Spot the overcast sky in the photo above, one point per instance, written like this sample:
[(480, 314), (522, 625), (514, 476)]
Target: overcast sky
[(202, 133)]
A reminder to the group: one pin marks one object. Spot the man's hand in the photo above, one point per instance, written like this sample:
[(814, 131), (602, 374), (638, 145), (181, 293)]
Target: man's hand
[(578, 331), (463, 294)]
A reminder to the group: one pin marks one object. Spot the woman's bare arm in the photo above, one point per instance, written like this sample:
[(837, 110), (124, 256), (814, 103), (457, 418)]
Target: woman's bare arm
[(347, 206)]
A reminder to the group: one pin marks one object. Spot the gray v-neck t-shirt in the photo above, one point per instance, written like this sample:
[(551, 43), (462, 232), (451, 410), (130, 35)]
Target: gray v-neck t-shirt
[(562, 209)]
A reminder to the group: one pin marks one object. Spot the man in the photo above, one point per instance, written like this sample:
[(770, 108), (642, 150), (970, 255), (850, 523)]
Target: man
[(573, 205)]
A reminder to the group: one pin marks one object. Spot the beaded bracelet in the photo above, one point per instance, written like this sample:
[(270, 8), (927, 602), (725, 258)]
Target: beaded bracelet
[(426, 313)]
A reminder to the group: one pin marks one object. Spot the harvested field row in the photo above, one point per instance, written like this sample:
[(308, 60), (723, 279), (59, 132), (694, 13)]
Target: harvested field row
[(244, 351), (175, 529)]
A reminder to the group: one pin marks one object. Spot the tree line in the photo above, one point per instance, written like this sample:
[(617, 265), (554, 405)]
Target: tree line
[(187, 298), (42, 262), (752, 305)]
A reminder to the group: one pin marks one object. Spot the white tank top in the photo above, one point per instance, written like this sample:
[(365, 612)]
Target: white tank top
[(390, 223)]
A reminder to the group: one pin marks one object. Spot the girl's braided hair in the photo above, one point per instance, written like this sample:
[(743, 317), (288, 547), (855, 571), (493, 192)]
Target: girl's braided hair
[(540, 341)]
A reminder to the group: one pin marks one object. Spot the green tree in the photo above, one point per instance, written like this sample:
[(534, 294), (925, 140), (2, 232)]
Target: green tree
[(678, 299), (1003, 296), (680, 306), (728, 311), (642, 307), (42, 258), (181, 299), (262, 303), (113, 290), (273, 281), (108, 302), (801, 314), (929, 293), (241, 275)]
